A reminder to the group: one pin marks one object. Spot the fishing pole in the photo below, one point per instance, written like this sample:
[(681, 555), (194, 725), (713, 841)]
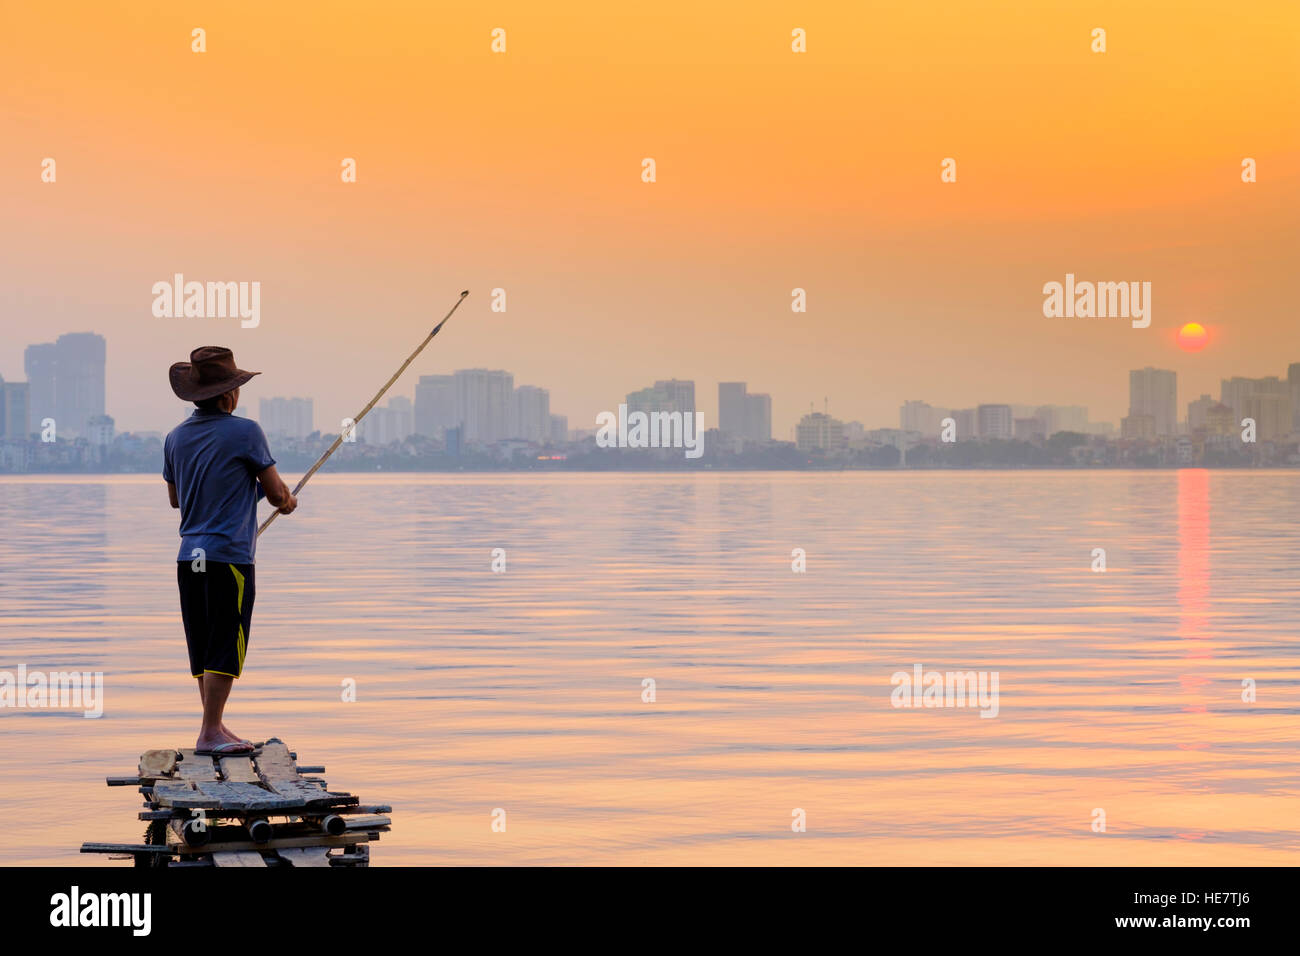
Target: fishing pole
[(369, 405)]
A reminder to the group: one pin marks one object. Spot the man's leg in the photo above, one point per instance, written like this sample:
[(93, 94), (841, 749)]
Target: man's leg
[(215, 690), (226, 731), (226, 604)]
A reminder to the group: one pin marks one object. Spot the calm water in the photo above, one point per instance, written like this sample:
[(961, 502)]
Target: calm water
[(523, 690)]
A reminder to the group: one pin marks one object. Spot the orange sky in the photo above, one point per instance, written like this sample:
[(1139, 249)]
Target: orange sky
[(775, 170)]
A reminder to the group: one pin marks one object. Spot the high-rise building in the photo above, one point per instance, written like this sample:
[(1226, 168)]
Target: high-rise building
[(1196, 412), (389, 424), (1028, 429), (67, 382), (1271, 411), (41, 363), (100, 430), (286, 417), (435, 405), (664, 396), (680, 392), (1220, 420), (532, 413), (1138, 425), (1233, 392), (1154, 392), (817, 431), (1293, 383), (923, 418), (732, 410), (13, 409), (965, 424), (1258, 398), (994, 421), (742, 415), (485, 404), (559, 429), (758, 416)]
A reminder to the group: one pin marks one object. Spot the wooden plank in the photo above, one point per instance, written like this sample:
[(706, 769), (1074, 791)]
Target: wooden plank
[(244, 797), (278, 771), (318, 839), (238, 858), (124, 780), (238, 770), (275, 762), (320, 768), (305, 855), (190, 767), (177, 793), (244, 788), (157, 763)]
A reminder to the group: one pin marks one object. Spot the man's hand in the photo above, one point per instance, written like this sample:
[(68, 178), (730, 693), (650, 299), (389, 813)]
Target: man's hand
[(277, 492)]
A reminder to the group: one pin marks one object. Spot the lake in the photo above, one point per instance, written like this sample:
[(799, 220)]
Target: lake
[(1120, 692)]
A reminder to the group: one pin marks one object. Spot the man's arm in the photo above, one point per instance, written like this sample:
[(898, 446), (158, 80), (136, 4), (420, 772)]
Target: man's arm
[(171, 495), (277, 492)]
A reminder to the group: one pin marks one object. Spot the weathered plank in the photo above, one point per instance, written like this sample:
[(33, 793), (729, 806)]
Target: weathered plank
[(177, 793), (279, 772), (238, 858), (238, 770), (305, 855), (245, 797), (157, 763), (198, 769), (275, 762)]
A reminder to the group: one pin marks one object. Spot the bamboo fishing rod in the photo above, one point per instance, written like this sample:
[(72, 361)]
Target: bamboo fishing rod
[(369, 405)]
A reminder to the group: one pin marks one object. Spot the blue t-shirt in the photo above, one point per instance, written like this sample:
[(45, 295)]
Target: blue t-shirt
[(213, 459)]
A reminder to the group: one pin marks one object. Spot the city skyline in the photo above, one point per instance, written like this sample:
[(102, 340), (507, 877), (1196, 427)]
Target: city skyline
[(79, 360), (70, 378)]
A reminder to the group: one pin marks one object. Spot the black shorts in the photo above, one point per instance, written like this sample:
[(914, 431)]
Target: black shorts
[(217, 610)]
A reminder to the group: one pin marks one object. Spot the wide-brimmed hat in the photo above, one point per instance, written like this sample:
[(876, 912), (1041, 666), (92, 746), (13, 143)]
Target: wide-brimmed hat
[(210, 372)]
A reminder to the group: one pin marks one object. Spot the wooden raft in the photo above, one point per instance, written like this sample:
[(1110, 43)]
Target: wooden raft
[(244, 811)]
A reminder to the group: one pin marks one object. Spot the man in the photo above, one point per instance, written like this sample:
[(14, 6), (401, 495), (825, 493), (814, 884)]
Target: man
[(216, 467)]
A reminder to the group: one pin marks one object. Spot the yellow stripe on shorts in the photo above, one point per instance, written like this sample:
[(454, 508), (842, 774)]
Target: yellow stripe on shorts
[(240, 645)]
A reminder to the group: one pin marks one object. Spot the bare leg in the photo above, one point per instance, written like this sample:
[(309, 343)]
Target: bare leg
[(226, 732), (216, 690)]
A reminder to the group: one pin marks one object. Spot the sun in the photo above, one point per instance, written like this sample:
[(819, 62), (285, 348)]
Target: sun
[(1192, 337)]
